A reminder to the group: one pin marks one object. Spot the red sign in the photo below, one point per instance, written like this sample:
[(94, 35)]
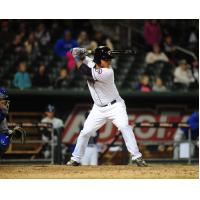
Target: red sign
[(108, 131)]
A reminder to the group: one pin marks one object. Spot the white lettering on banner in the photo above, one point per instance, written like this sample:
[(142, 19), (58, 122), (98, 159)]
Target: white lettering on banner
[(108, 131)]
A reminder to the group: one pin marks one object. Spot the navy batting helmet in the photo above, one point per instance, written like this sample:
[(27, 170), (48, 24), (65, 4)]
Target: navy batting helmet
[(3, 94), (50, 108), (102, 53)]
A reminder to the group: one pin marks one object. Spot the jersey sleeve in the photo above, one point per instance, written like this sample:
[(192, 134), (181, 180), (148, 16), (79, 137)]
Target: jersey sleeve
[(43, 120), (89, 62), (85, 70), (101, 74)]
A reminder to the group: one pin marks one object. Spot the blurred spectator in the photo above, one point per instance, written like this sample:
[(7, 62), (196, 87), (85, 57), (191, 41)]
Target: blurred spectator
[(193, 40), (22, 32), (144, 85), (195, 70), (158, 86), (42, 35), (62, 81), (65, 44), (22, 78), (101, 40), (41, 78), (31, 46), (169, 47), (5, 34), (168, 44), (83, 40), (183, 74), (152, 32), (156, 55), (17, 46), (195, 73), (70, 61)]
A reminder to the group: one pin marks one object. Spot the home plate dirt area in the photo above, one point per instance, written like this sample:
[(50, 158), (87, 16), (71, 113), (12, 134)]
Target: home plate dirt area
[(153, 171)]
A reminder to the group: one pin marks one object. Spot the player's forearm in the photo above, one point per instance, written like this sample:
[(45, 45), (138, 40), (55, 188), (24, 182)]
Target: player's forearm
[(79, 63), (78, 60)]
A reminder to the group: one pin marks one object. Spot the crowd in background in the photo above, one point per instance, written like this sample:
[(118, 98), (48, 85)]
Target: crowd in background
[(162, 53), (35, 53)]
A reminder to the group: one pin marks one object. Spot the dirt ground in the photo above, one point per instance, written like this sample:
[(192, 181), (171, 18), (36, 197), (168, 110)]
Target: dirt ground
[(159, 171)]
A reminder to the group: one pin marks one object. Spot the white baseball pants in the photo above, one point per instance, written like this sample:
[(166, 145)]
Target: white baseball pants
[(97, 118)]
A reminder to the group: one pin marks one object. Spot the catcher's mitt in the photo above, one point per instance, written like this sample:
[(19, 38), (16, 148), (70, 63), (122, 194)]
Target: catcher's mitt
[(19, 132)]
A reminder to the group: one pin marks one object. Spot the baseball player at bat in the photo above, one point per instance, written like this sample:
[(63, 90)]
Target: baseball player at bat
[(108, 105), (5, 133)]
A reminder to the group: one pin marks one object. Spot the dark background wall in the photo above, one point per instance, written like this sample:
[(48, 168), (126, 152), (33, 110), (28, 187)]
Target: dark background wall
[(35, 101)]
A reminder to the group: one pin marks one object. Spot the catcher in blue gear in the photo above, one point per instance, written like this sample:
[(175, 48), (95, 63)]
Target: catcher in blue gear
[(6, 134)]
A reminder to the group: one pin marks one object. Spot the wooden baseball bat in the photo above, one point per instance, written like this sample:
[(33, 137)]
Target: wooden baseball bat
[(118, 52)]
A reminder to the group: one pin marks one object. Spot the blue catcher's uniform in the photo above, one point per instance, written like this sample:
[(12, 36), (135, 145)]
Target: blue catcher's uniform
[(4, 142), (4, 131)]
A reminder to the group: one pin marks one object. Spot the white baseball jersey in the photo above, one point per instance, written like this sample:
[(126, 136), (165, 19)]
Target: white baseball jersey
[(56, 122), (102, 89)]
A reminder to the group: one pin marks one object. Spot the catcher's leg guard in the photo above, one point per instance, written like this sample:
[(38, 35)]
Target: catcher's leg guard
[(4, 142)]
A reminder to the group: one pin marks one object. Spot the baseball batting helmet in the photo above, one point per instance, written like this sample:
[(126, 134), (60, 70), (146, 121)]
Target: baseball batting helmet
[(102, 53), (50, 108)]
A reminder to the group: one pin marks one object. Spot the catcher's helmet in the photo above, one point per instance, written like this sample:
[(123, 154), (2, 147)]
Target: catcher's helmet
[(3, 94), (102, 53)]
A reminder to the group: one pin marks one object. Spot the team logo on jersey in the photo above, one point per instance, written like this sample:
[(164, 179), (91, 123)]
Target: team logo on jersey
[(99, 71)]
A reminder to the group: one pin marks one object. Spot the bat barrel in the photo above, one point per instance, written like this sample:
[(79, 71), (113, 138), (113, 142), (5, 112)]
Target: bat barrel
[(118, 52), (123, 52)]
